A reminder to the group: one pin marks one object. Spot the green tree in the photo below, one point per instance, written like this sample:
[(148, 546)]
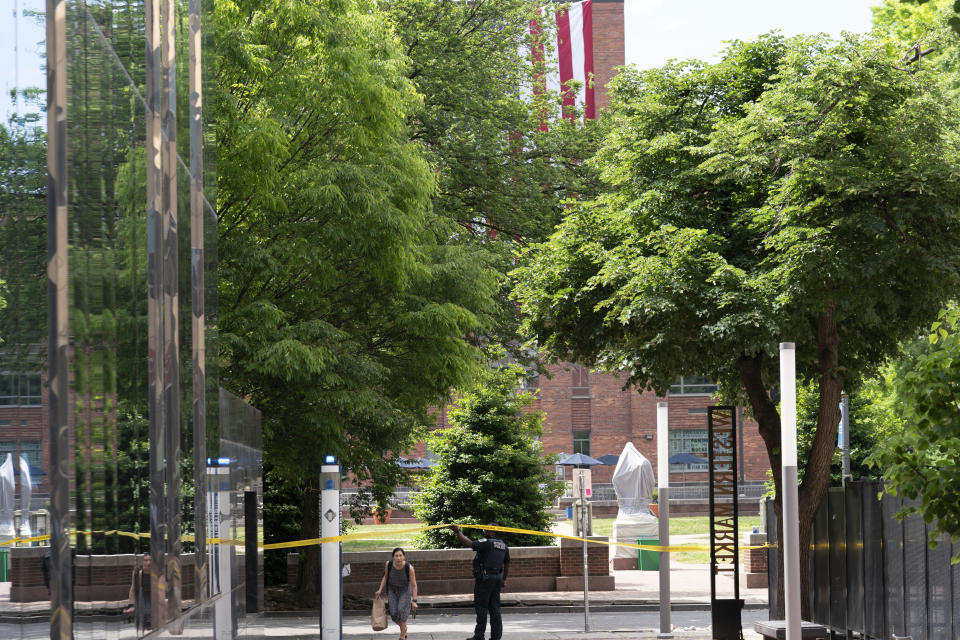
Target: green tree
[(922, 460), (346, 306), (928, 25), (802, 190), (490, 465), (874, 418), (502, 178)]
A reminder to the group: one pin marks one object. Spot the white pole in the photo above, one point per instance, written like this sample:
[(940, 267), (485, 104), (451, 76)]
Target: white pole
[(586, 567), (791, 517), (331, 603), (663, 491)]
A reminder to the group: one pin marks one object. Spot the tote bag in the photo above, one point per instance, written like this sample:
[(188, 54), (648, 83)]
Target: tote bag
[(378, 615)]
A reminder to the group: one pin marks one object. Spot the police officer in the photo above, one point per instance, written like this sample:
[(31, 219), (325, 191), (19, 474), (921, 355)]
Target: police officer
[(490, 566)]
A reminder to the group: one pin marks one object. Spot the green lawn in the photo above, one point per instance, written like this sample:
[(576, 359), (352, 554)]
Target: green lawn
[(396, 537), (688, 525)]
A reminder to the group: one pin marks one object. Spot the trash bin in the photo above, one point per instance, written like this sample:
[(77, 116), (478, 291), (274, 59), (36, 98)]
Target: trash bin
[(648, 560), (4, 558), (569, 513)]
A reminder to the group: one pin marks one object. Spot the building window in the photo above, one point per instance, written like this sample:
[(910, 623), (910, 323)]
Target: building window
[(28, 448), (579, 382), (19, 389), (581, 442), (692, 441), (693, 386), (31, 450), (531, 379), (10, 447)]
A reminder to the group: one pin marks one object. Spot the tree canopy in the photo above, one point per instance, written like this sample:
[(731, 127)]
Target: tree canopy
[(502, 177), (801, 190)]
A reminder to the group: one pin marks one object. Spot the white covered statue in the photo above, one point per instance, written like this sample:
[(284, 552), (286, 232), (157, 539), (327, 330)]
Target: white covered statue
[(7, 493), (634, 482)]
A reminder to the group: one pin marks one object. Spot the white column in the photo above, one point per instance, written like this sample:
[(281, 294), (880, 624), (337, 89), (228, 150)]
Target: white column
[(330, 572), (788, 461), (586, 567), (663, 490)]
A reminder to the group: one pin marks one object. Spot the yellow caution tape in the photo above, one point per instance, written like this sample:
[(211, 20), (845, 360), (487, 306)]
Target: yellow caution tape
[(546, 534), (389, 532)]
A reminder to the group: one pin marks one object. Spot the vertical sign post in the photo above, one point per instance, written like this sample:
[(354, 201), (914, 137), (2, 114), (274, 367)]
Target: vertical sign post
[(724, 539), (663, 484), (788, 462), (331, 601), (582, 478), (219, 554)]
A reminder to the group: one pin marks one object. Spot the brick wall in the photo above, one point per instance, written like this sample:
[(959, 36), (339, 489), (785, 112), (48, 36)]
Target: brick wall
[(615, 416), (99, 578), (446, 571), (619, 415), (608, 50)]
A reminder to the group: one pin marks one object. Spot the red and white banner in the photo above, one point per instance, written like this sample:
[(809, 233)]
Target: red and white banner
[(573, 47)]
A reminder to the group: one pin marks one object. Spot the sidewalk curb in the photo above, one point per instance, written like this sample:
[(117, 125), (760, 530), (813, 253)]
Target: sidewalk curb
[(516, 609)]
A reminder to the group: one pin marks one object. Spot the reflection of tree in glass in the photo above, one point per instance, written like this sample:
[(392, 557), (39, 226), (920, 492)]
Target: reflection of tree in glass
[(23, 210)]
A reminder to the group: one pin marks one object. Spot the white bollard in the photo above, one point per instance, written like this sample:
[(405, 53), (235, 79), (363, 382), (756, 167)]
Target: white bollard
[(663, 484), (331, 601)]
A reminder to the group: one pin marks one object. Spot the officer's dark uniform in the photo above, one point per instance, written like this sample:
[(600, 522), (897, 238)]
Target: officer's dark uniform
[(492, 554)]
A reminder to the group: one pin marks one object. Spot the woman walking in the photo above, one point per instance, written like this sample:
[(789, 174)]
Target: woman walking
[(400, 581)]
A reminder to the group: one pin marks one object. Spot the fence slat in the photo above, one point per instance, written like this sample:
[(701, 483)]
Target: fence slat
[(854, 551), (893, 564)]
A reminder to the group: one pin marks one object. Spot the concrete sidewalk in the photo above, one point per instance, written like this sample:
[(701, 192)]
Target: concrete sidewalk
[(519, 624)]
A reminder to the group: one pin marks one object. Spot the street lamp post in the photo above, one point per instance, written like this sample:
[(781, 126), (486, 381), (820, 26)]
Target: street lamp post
[(663, 484), (788, 462)]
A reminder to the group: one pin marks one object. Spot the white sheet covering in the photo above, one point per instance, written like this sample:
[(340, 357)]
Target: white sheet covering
[(7, 497), (634, 482), (26, 493)]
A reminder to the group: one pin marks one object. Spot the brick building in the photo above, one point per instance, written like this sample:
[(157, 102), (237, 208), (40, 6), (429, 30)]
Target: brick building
[(589, 412)]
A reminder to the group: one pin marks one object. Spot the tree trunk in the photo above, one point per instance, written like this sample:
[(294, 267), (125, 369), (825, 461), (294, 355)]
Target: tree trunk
[(768, 424), (816, 475), (308, 582)]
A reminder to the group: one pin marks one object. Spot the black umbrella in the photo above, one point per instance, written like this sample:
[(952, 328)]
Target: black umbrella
[(685, 458), (609, 459), (580, 460)]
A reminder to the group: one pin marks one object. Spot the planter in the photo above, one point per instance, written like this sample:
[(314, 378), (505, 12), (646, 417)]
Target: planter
[(655, 509), (384, 519)]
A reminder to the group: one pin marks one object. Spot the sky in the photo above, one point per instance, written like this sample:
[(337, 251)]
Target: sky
[(25, 67), (658, 30)]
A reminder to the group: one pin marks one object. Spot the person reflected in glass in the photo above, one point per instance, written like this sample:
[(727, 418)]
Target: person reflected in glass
[(139, 608), (400, 582)]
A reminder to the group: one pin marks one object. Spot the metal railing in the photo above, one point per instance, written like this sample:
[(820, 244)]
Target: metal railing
[(699, 491), (404, 496)]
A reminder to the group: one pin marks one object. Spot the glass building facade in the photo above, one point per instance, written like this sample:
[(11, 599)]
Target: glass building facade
[(130, 483)]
